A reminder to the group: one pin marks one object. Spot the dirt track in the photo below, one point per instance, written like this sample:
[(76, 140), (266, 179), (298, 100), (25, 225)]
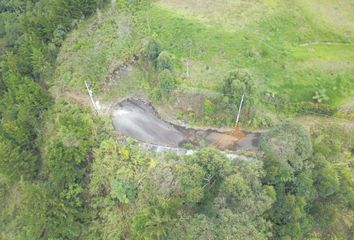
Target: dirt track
[(138, 119)]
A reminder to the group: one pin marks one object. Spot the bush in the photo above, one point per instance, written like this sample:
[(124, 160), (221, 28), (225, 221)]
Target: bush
[(164, 61), (234, 86), (151, 51), (209, 107), (327, 182), (310, 107), (320, 96), (167, 81), (123, 190), (237, 83)]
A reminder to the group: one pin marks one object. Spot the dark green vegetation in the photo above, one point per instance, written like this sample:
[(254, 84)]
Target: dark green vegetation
[(65, 174)]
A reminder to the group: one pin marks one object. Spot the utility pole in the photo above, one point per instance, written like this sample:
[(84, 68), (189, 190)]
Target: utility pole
[(190, 55), (91, 97), (239, 110)]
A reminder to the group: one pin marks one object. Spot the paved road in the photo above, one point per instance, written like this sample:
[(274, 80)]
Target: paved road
[(137, 119)]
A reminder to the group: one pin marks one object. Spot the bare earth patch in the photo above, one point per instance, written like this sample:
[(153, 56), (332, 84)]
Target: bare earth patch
[(347, 107)]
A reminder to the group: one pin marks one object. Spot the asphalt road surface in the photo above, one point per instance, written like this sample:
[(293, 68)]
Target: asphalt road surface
[(138, 119)]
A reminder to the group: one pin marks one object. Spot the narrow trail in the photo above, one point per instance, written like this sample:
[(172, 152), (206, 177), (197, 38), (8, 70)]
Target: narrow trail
[(312, 121), (325, 43)]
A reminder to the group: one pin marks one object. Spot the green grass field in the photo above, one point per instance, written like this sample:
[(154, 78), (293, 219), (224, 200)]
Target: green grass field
[(291, 48), (230, 15)]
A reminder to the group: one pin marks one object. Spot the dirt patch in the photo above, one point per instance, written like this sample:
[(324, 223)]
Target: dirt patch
[(76, 97), (123, 71), (139, 119), (347, 107)]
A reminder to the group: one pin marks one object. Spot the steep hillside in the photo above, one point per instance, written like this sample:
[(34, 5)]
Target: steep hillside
[(285, 46)]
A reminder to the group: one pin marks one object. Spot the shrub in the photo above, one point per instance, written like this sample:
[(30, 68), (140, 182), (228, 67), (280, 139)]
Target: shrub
[(320, 96), (123, 190), (310, 107), (327, 182), (209, 107), (167, 80), (237, 83), (164, 61), (234, 86), (151, 51)]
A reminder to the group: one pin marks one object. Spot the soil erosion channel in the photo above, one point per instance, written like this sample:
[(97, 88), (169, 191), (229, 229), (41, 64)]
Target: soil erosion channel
[(138, 119)]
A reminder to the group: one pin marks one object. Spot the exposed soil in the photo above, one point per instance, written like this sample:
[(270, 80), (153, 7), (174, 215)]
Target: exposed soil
[(347, 107), (76, 97), (139, 119)]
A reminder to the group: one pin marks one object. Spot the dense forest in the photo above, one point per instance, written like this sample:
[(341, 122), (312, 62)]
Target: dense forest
[(66, 174)]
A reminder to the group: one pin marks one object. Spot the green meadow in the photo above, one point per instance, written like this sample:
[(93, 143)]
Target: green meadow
[(290, 49)]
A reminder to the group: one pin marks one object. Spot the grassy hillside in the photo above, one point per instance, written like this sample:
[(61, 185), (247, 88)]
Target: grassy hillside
[(328, 14), (230, 15), (270, 46), (291, 49)]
